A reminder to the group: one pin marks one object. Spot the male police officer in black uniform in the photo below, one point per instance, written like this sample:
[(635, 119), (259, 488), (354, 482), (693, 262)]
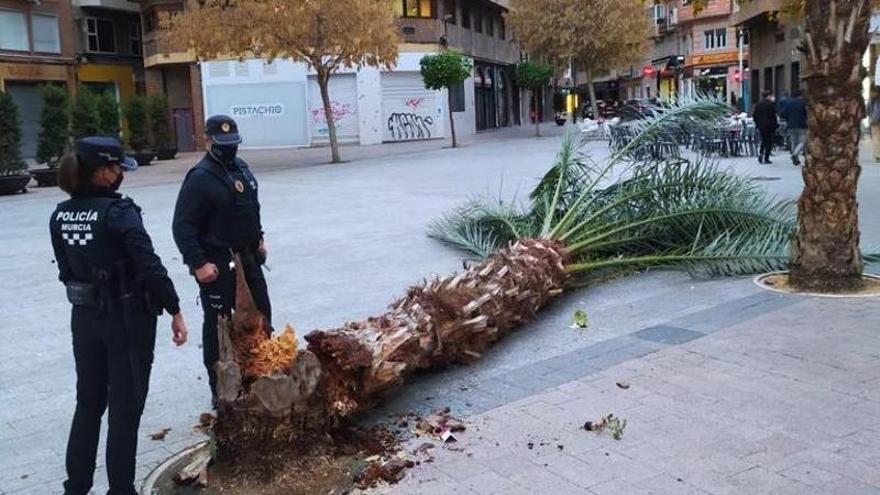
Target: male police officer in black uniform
[(218, 216), (118, 287)]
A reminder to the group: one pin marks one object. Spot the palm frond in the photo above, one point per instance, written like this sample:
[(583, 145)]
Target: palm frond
[(482, 226)]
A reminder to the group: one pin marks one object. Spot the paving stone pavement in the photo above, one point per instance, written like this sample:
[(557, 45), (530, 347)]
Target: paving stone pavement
[(783, 401), (345, 239)]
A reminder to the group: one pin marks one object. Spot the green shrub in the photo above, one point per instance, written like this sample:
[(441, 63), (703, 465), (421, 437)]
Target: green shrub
[(160, 121), (85, 119), (54, 124), (10, 137), (108, 113), (136, 117)]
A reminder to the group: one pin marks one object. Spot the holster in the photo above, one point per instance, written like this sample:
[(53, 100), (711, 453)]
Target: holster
[(82, 294)]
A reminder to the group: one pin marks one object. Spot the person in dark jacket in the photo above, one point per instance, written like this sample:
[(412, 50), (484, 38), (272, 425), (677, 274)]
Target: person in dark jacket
[(765, 121), (117, 286), (218, 216), (795, 115)]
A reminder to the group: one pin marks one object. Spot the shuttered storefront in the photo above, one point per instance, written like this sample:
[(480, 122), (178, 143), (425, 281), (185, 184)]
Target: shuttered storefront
[(29, 102), (409, 111), (343, 103)]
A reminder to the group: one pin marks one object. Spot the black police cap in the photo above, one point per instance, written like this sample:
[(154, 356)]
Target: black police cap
[(222, 130), (103, 151)]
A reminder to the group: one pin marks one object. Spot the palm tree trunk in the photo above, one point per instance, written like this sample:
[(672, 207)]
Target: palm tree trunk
[(324, 85), (594, 105), (451, 117), (825, 252), (537, 111), (346, 370)]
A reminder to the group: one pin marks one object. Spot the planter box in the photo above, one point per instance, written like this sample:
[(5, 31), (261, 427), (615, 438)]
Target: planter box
[(11, 184), (46, 177), (166, 154)]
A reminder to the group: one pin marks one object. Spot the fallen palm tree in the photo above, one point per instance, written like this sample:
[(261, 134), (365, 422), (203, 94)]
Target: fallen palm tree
[(581, 219)]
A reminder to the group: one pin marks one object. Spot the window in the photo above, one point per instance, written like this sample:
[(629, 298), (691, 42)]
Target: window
[(46, 37), (418, 8), (13, 31), (456, 94), (449, 11), (490, 26), (134, 37), (715, 38), (502, 29), (743, 38), (478, 21), (465, 15), (100, 36)]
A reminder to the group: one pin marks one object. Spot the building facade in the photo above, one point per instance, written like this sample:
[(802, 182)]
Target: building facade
[(37, 46), (716, 52), (278, 104), (774, 62)]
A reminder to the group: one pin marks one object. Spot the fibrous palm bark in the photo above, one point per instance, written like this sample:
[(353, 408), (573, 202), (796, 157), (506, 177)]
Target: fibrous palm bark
[(825, 252)]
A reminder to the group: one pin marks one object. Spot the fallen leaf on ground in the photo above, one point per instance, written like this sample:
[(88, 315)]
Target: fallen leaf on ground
[(623, 385), (160, 435)]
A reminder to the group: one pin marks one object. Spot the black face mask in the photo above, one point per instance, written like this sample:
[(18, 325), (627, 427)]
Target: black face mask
[(118, 182), (224, 153)]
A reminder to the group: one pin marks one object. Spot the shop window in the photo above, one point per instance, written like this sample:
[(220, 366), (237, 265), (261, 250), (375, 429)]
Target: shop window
[(456, 95), (46, 37), (13, 31), (100, 37), (418, 8), (134, 36)]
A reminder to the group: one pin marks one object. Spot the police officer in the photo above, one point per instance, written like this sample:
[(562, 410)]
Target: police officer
[(218, 216), (118, 287)]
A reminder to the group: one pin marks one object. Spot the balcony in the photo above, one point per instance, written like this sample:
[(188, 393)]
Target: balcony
[(746, 11), (157, 52), (417, 30), (120, 5)]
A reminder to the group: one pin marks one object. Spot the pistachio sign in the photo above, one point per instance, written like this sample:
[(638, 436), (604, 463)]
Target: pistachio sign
[(257, 110)]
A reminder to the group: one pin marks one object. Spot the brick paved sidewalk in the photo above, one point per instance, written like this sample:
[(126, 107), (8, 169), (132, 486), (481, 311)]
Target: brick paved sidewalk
[(782, 399)]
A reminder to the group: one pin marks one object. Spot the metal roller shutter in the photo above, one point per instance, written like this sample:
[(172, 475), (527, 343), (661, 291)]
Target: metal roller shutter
[(29, 102), (343, 101), (409, 111)]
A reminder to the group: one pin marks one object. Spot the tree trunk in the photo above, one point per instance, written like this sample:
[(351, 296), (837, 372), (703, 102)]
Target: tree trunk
[(825, 252), (594, 105), (451, 117), (271, 393), (324, 84), (537, 113)]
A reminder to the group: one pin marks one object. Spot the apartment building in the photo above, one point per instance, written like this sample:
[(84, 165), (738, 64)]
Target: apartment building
[(370, 105), (37, 46)]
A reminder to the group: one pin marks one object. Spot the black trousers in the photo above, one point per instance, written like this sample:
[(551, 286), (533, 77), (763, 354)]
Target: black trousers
[(218, 298), (105, 376), (767, 138)]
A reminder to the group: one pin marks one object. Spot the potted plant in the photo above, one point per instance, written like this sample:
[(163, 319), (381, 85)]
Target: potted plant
[(138, 134), (52, 143), (108, 114), (85, 119), (13, 175), (160, 126)]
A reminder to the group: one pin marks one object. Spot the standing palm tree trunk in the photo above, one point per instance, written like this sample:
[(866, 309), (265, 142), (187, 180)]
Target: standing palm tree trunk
[(825, 252)]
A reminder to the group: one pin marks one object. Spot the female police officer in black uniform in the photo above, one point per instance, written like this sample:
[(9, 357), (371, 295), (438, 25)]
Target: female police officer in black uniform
[(117, 286)]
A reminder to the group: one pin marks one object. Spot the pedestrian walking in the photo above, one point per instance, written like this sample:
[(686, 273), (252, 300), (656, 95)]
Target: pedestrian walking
[(795, 115), (216, 218), (117, 286), (874, 118), (765, 120)]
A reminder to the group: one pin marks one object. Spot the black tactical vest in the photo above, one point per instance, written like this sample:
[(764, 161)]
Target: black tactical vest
[(94, 254), (235, 222)]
